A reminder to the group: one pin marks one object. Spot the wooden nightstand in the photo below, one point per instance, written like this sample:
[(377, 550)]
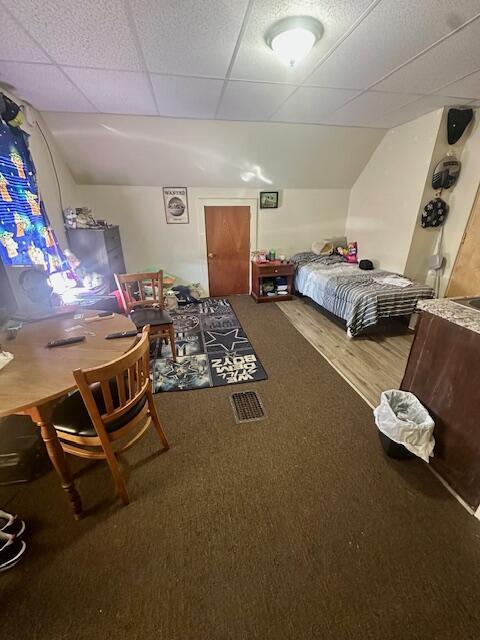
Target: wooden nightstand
[(261, 270)]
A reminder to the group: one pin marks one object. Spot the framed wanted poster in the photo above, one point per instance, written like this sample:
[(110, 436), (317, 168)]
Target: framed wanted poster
[(176, 205)]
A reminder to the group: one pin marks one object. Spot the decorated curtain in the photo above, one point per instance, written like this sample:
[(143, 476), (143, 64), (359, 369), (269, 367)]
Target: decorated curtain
[(26, 237)]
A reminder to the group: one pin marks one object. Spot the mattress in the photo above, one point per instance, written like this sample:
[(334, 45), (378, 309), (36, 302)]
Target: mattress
[(361, 298)]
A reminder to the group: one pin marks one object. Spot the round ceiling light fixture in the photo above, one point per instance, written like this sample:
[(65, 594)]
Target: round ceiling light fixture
[(291, 39)]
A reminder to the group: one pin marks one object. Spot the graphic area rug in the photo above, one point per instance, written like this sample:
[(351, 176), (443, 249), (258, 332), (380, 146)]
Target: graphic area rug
[(212, 350)]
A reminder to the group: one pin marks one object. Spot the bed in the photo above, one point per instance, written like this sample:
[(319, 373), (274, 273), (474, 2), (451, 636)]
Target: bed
[(361, 298)]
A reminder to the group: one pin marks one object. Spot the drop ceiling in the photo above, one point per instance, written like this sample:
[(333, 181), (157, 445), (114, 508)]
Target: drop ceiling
[(379, 63)]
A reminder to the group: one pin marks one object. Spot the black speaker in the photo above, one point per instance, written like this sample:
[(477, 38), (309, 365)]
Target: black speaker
[(25, 293), (457, 121), (8, 305)]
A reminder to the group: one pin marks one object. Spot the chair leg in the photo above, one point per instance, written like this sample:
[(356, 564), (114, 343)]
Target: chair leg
[(116, 473), (156, 420), (171, 333)]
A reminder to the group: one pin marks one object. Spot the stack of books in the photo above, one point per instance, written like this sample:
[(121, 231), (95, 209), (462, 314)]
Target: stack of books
[(281, 286)]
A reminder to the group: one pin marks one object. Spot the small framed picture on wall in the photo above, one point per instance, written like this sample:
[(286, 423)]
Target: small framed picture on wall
[(268, 199), (176, 205)]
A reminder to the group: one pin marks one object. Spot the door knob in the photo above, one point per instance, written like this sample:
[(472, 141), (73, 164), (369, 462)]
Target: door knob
[(211, 255)]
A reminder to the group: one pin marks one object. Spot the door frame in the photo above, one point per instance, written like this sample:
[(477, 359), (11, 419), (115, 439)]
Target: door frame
[(227, 202)]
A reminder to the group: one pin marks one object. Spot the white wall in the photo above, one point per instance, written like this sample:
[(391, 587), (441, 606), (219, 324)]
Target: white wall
[(304, 215), (386, 198), (120, 164), (381, 214), (425, 242), (381, 211), (460, 199)]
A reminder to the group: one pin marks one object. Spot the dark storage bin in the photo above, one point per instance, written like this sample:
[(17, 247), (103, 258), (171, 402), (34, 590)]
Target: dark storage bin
[(393, 449), (22, 454)]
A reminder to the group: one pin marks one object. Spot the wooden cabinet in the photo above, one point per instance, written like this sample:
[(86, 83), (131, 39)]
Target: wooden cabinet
[(99, 250), (443, 371), (271, 270)]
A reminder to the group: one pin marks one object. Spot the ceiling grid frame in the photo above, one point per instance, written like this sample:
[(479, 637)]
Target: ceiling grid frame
[(141, 55), (38, 44), (246, 17), (254, 95)]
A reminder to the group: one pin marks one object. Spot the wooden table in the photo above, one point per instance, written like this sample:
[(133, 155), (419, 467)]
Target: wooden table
[(37, 376)]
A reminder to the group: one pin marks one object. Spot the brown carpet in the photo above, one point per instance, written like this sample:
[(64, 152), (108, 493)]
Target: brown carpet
[(296, 527)]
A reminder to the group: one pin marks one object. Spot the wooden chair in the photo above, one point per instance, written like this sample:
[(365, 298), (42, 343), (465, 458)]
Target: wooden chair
[(147, 308), (111, 410)]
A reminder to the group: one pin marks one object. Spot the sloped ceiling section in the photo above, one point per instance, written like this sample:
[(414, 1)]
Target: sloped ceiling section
[(154, 151)]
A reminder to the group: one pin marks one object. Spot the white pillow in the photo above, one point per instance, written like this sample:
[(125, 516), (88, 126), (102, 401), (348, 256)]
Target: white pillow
[(328, 246), (323, 248)]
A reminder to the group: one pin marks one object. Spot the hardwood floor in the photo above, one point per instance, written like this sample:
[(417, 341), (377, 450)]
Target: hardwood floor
[(370, 364)]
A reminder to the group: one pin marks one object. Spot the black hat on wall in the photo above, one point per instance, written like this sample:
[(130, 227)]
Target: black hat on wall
[(457, 121)]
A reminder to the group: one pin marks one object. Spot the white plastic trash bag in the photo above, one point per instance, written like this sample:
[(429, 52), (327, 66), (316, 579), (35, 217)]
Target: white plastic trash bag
[(402, 417)]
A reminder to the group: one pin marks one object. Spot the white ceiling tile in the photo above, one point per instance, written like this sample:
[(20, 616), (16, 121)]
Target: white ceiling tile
[(87, 33), (44, 86), (468, 87), (16, 45), (186, 97), (188, 37), (256, 61), (368, 107), (390, 35), (97, 47), (115, 91), (424, 105), (313, 104), (252, 100), (446, 62)]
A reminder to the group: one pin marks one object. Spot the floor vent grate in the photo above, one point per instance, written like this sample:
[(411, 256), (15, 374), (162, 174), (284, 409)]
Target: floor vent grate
[(247, 406)]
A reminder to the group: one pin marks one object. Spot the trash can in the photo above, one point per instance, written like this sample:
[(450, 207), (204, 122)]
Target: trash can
[(405, 426), (393, 449)]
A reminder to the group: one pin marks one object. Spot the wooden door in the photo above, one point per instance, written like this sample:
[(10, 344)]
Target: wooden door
[(465, 278), (228, 249)]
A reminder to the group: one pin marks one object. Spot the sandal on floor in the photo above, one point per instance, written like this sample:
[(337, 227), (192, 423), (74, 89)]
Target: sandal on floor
[(11, 525), (11, 553), (6, 538)]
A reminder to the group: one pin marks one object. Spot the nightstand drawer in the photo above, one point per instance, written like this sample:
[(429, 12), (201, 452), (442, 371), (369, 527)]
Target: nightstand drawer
[(275, 270)]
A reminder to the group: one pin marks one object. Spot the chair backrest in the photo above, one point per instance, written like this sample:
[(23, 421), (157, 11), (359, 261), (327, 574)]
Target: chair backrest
[(140, 289), (123, 382)]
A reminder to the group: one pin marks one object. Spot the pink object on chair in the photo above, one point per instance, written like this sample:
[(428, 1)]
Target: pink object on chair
[(121, 306)]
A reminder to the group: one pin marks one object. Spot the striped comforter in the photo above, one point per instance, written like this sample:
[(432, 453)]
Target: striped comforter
[(353, 294)]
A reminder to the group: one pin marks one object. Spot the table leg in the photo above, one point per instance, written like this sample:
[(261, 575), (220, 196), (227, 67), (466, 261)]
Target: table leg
[(56, 454)]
